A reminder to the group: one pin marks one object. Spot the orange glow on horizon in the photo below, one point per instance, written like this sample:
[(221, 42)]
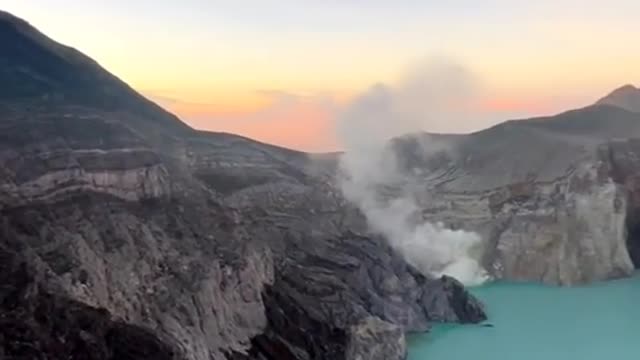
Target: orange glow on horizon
[(303, 126), (309, 125), (208, 62)]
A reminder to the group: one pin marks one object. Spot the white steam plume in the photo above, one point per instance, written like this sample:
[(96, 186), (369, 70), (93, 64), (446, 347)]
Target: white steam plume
[(435, 91)]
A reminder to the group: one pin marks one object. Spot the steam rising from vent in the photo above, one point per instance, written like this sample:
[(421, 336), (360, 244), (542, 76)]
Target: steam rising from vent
[(372, 179)]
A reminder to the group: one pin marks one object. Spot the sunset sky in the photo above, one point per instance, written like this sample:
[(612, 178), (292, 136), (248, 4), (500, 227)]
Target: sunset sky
[(282, 71)]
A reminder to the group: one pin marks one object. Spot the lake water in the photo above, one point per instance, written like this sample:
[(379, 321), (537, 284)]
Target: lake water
[(535, 322)]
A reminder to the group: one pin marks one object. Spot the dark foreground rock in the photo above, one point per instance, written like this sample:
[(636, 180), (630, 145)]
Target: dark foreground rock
[(35, 324), (376, 339), (351, 297), (447, 300)]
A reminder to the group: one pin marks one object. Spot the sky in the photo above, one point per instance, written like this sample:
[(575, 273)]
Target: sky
[(283, 71)]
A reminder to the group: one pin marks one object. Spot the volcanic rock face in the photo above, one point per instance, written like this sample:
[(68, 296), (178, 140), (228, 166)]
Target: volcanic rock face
[(364, 290), (374, 339), (102, 211), (36, 324), (554, 198), (175, 243)]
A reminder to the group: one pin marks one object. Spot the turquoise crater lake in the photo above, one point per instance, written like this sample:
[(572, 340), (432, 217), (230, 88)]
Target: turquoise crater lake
[(536, 322)]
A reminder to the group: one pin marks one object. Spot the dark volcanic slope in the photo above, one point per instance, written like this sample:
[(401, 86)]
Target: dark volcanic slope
[(32, 65), (38, 325), (139, 235), (545, 146), (626, 97), (516, 150)]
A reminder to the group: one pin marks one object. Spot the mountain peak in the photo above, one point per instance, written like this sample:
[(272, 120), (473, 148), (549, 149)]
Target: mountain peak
[(5, 16), (626, 87), (626, 97), (36, 68)]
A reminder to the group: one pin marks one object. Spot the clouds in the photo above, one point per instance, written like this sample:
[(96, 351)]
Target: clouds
[(434, 95)]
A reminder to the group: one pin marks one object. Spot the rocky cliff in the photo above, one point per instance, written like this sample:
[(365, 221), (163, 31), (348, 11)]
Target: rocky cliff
[(554, 199), (125, 234)]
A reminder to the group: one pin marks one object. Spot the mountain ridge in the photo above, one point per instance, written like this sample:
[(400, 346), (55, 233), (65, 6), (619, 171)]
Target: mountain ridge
[(626, 97), (35, 66)]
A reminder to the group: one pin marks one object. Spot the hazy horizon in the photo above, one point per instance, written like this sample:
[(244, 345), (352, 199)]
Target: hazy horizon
[(286, 76)]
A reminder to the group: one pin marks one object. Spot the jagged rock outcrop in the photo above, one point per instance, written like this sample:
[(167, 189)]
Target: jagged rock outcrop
[(36, 324), (189, 244), (345, 282), (376, 339), (156, 264)]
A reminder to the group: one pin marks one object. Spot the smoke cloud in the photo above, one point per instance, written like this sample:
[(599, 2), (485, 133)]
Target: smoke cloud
[(434, 91)]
